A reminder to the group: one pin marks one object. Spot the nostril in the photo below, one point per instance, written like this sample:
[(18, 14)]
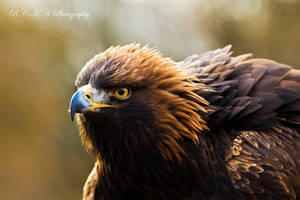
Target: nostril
[(88, 96)]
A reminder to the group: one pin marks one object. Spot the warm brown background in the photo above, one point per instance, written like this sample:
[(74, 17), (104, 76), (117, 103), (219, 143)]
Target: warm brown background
[(40, 152)]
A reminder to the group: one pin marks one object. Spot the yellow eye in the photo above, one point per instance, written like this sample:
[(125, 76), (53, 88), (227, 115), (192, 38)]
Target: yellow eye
[(122, 93)]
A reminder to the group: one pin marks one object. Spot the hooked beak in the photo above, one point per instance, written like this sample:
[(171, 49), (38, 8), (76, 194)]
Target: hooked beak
[(87, 99)]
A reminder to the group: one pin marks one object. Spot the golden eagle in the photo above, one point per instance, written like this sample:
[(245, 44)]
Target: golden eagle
[(210, 127)]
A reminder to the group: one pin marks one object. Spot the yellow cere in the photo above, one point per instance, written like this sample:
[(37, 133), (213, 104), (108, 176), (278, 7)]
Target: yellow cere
[(100, 105), (89, 96)]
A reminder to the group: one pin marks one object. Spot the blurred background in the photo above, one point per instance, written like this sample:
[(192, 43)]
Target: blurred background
[(44, 45)]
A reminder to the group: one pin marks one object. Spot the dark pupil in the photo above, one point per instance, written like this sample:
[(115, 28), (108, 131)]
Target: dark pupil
[(121, 92)]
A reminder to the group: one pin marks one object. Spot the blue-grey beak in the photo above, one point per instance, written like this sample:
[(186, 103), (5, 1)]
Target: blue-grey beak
[(78, 103), (88, 99)]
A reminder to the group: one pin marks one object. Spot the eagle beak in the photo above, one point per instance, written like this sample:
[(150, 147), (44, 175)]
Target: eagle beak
[(83, 101)]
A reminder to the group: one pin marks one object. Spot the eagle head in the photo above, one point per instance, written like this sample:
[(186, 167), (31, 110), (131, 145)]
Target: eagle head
[(131, 100)]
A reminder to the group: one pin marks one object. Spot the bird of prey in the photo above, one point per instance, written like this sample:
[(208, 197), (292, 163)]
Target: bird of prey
[(212, 126)]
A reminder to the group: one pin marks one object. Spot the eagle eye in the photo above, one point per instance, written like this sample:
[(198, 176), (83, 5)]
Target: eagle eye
[(122, 93)]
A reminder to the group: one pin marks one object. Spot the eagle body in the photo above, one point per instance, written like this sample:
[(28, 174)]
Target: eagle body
[(210, 127)]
